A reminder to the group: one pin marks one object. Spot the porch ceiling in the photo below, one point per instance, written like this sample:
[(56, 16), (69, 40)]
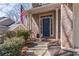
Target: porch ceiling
[(44, 8)]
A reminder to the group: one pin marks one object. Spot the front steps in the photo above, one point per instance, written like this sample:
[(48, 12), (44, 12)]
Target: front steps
[(43, 49), (40, 49)]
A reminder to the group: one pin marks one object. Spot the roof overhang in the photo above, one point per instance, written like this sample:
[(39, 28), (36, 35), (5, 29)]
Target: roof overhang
[(3, 29), (6, 22), (45, 8)]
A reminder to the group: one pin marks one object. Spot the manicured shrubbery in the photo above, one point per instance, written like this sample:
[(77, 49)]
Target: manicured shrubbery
[(24, 34), (11, 47), (10, 34), (14, 43)]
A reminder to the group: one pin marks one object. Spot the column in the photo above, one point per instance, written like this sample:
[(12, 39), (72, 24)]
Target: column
[(30, 22), (76, 25), (57, 24)]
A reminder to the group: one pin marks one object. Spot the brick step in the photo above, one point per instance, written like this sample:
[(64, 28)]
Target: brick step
[(38, 52), (43, 43), (38, 48), (41, 46)]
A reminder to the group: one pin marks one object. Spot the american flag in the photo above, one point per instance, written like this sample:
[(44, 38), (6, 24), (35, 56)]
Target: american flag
[(23, 14)]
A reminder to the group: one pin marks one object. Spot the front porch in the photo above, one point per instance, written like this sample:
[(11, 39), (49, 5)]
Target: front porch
[(47, 21), (59, 15)]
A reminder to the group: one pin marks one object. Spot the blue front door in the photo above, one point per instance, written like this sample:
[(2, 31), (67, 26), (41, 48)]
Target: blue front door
[(46, 27)]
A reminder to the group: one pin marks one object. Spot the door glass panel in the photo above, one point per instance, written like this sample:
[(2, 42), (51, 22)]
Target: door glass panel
[(46, 27)]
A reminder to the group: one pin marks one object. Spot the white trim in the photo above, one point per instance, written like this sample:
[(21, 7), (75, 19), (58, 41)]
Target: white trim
[(3, 19), (40, 27), (53, 20), (45, 8), (57, 24), (61, 28), (53, 28), (42, 24), (40, 20), (50, 26), (14, 26), (29, 21)]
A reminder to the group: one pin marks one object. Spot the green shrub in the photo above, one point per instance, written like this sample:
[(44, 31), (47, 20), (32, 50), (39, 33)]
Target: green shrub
[(11, 47), (10, 34), (24, 34)]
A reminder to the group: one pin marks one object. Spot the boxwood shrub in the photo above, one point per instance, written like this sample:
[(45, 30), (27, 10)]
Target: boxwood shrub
[(11, 47)]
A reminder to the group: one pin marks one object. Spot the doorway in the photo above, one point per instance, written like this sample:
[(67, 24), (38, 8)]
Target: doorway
[(46, 26)]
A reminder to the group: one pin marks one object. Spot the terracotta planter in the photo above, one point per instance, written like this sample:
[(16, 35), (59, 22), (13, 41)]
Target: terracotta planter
[(24, 51)]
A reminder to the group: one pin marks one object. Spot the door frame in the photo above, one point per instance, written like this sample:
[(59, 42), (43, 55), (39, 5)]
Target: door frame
[(53, 26), (49, 25)]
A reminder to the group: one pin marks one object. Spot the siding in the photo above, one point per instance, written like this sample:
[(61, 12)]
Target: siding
[(76, 25)]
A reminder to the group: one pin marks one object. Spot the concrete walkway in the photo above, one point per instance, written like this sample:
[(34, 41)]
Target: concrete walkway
[(41, 49)]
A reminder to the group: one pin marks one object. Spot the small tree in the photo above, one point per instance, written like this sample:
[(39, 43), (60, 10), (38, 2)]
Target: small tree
[(24, 34)]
